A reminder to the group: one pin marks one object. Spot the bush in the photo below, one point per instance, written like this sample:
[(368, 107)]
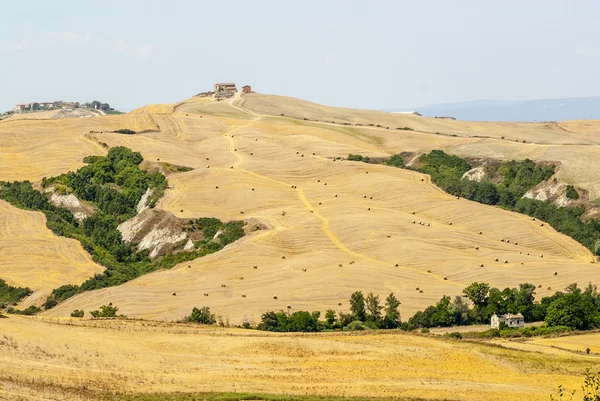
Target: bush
[(356, 325), (32, 310), (107, 311), (572, 192), (201, 316), (125, 131), (455, 335), (77, 313)]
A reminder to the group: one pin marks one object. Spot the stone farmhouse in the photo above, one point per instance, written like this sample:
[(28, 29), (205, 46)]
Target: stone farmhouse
[(510, 320), (225, 90)]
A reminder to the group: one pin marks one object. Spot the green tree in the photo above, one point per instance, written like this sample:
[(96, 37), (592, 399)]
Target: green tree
[(202, 316), (357, 306), (575, 310), (477, 293), (392, 319), (330, 318), (374, 309)]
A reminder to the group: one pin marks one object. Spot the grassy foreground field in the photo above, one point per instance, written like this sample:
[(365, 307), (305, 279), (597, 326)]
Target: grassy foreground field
[(77, 360)]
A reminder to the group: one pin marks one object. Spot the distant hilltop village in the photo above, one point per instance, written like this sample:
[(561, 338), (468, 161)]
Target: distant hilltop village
[(59, 104), (225, 90)]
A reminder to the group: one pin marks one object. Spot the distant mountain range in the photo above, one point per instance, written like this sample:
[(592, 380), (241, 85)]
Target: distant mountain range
[(584, 108)]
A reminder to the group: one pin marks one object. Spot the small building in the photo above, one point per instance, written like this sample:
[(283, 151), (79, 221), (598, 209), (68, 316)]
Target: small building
[(510, 320), (246, 89), (414, 113), (225, 90)]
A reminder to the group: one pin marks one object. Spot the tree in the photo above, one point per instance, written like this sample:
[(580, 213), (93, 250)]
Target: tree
[(357, 306), (574, 310), (374, 309), (330, 318), (202, 316), (391, 319), (477, 293)]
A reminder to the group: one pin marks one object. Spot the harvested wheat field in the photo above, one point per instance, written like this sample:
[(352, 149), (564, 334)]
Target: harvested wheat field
[(347, 226), (32, 256), (137, 356), (327, 228)]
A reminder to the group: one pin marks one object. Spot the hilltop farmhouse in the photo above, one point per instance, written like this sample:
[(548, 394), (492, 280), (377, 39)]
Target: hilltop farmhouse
[(225, 90)]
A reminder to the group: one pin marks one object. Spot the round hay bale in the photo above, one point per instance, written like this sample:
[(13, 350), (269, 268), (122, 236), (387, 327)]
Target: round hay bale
[(275, 297), (335, 196), (289, 307), (320, 203), (428, 271), (339, 304), (556, 273), (396, 265), (417, 289), (351, 262), (241, 212), (480, 233), (174, 294), (549, 288), (445, 278), (340, 265), (207, 158), (476, 248), (421, 291), (217, 187), (506, 261), (243, 295), (255, 267), (283, 257), (318, 180), (496, 260), (481, 265)]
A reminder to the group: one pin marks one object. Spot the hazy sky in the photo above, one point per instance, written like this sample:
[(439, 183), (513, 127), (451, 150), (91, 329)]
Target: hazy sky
[(365, 54)]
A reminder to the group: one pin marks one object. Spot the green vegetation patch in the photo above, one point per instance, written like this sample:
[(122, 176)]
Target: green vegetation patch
[(10, 295), (125, 131)]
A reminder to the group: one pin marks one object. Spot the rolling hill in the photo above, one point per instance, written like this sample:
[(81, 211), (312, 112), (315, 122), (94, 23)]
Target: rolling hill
[(333, 227)]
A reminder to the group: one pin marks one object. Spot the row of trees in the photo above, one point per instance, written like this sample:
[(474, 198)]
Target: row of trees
[(574, 308), (365, 312)]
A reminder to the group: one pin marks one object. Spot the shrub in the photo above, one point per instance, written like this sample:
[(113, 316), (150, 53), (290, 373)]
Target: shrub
[(105, 311), (572, 192), (356, 326), (201, 316), (455, 335), (125, 131), (77, 313)]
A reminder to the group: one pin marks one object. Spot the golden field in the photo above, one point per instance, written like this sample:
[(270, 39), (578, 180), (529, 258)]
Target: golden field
[(347, 226), (53, 358)]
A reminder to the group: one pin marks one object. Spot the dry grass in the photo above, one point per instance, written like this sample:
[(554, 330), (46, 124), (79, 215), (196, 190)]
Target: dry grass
[(319, 231), (148, 357), (31, 256)]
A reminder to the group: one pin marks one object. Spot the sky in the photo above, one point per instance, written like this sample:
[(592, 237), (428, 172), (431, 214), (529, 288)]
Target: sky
[(362, 54)]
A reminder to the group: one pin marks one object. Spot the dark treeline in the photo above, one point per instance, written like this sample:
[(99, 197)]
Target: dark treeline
[(114, 185), (511, 181)]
